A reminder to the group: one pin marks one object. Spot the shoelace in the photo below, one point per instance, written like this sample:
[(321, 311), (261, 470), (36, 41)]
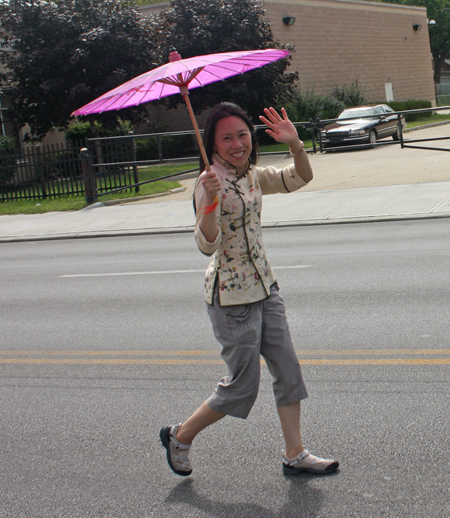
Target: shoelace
[(181, 456), (299, 458)]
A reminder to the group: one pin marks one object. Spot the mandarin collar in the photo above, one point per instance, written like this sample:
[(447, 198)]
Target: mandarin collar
[(229, 167)]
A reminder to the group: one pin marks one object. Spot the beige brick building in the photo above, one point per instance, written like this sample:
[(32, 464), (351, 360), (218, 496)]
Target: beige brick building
[(338, 41)]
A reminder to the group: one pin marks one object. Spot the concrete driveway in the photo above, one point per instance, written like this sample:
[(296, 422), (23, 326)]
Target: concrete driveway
[(380, 166)]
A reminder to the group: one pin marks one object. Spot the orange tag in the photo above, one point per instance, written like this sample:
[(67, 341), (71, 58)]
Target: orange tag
[(211, 208)]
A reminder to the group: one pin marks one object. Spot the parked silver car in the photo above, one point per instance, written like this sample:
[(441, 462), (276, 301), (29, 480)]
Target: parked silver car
[(384, 123)]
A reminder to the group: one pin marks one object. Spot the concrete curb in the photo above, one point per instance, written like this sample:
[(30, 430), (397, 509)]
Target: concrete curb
[(190, 229), (108, 203)]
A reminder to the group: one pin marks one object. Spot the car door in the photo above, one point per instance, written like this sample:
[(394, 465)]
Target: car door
[(383, 122), (390, 121)]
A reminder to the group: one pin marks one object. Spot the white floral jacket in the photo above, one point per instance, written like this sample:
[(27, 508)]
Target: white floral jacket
[(240, 266)]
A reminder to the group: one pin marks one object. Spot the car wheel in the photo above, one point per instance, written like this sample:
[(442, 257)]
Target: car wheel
[(372, 137), (396, 135)]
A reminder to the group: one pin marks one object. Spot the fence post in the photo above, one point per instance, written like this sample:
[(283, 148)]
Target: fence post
[(160, 153), (40, 171), (320, 126), (313, 135), (133, 157), (90, 185), (400, 130)]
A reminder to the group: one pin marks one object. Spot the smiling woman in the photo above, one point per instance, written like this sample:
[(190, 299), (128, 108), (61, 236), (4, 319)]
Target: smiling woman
[(233, 142), (243, 299)]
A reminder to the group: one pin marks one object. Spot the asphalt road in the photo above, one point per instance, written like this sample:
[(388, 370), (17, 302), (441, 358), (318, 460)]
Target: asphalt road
[(106, 340)]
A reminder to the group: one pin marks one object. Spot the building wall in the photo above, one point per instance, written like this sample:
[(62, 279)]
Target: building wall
[(339, 41)]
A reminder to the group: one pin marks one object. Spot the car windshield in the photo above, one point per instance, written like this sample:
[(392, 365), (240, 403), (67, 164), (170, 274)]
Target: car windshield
[(357, 112)]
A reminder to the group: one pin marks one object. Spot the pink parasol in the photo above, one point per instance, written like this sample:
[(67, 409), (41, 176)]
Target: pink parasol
[(180, 76)]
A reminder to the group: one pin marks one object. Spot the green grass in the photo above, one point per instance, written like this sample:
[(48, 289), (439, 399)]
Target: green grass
[(444, 100), (69, 203), (147, 2), (273, 148), (66, 203), (437, 117)]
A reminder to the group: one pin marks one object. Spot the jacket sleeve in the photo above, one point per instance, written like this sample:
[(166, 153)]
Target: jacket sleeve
[(273, 180), (205, 246)]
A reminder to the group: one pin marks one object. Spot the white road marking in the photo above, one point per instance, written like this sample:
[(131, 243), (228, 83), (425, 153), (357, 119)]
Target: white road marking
[(163, 272)]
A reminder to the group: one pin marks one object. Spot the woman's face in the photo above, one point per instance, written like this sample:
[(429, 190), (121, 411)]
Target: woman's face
[(233, 142)]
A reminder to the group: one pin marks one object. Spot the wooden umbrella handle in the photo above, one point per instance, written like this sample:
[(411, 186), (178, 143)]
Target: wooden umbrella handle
[(185, 94)]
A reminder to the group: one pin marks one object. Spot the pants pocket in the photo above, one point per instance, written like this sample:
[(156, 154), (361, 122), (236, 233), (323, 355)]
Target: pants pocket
[(239, 313)]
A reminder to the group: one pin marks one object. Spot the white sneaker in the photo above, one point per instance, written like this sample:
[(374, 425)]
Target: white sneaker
[(177, 453), (305, 462)]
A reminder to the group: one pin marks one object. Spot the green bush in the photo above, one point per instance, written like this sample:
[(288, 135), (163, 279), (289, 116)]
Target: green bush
[(7, 146), (7, 159), (444, 100), (351, 95), (79, 131), (106, 151), (62, 165), (331, 108), (173, 146), (412, 104), (308, 105)]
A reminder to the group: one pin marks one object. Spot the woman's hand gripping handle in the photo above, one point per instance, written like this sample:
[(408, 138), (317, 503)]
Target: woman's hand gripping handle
[(207, 218)]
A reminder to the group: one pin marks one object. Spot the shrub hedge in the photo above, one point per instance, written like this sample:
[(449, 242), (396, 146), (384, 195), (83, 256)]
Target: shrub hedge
[(7, 159), (412, 104), (173, 146), (351, 95)]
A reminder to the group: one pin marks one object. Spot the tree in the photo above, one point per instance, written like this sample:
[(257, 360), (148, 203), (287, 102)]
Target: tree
[(439, 33), (196, 28), (439, 11), (67, 53)]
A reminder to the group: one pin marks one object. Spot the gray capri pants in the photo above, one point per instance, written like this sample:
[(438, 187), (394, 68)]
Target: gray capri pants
[(245, 332)]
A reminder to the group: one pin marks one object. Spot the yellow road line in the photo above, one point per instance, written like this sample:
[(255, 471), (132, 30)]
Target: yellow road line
[(111, 353), (168, 361), (211, 357), (107, 361), (216, 352)]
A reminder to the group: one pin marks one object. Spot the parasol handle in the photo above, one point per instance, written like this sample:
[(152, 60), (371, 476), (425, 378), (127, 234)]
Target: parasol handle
[(185, 93)]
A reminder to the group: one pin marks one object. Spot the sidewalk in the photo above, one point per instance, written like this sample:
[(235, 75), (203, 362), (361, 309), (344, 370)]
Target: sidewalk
[(368, 185)]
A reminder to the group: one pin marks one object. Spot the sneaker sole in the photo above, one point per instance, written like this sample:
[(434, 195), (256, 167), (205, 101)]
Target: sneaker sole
[(296, 471), (164, 435)]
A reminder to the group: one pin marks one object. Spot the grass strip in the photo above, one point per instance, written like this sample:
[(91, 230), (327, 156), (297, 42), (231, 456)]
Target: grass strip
[(69, 203)]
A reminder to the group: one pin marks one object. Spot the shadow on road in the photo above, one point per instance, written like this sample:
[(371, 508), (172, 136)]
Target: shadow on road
[(301, 500)]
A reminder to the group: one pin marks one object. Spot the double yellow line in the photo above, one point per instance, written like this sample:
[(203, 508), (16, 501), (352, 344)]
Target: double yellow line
[(212, 357)]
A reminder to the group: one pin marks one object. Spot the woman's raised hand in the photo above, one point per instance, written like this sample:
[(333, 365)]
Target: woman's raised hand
[(280, 128)]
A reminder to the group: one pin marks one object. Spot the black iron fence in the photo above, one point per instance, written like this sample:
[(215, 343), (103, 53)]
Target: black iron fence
[(100, 166), (41, 172), (108, 164)]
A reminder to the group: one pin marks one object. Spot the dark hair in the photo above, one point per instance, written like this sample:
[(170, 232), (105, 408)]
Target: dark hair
[(222, 111)]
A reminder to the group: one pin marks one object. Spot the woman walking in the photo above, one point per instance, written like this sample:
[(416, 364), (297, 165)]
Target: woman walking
[(243, 300)]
